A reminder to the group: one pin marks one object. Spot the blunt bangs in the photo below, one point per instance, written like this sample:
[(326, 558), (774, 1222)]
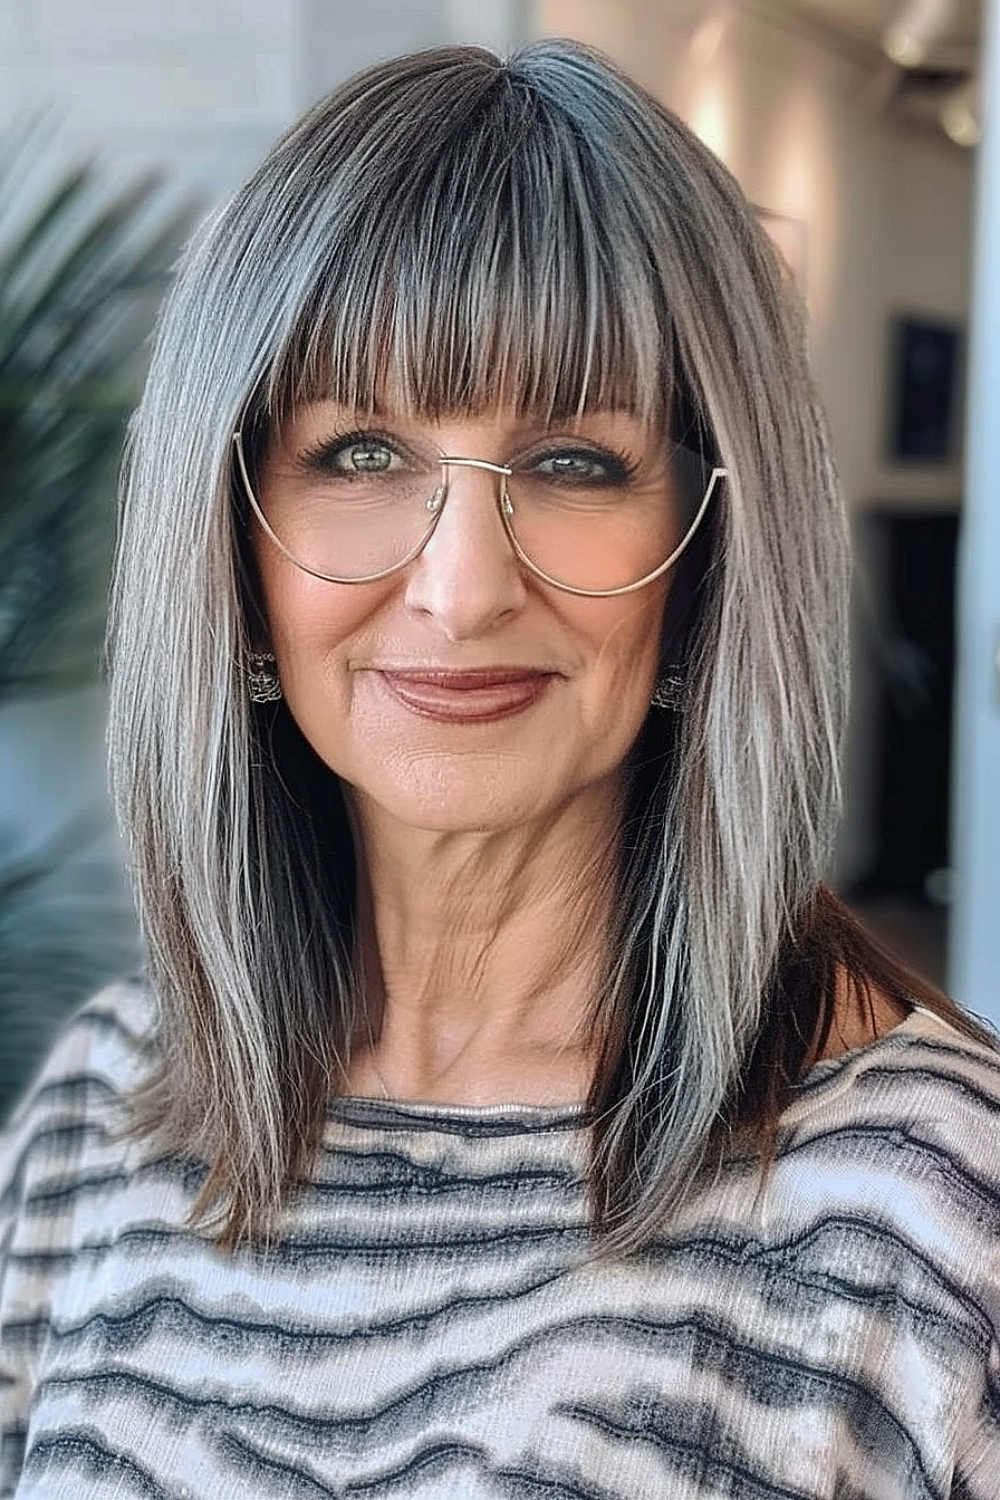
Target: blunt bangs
[(498, 260)]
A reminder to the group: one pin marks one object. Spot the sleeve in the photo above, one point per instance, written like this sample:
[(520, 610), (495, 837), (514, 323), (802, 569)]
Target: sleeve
[(976, 1473), (44, 1147), (18, 1344), (977, 1467)]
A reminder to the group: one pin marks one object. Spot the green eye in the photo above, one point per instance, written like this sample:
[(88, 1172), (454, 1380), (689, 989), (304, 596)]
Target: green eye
[(367, 458)]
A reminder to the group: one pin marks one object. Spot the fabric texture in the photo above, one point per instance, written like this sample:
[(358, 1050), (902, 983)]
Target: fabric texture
[(428, 1323)]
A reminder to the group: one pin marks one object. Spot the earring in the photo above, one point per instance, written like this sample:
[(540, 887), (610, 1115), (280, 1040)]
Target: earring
[(263, 683), (669, 690)]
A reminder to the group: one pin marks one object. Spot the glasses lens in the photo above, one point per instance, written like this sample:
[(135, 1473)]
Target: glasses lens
[(367, 504), (587, 526), (359, 509)]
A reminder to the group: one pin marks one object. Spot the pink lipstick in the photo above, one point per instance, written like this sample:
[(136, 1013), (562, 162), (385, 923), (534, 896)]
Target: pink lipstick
[(475, 697)]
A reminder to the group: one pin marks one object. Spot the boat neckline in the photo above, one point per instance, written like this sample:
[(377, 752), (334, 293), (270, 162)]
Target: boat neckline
[(493, 1117)]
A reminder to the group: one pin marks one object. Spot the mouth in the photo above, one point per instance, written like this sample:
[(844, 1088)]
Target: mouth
[(473, 696)]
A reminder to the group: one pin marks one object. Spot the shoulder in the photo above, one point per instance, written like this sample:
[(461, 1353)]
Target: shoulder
[(97, 1058), (858, 1019), (99, 1049), (922, 1080), (901, 1069), (900, 1141), (63, 1141), (875, 1236)]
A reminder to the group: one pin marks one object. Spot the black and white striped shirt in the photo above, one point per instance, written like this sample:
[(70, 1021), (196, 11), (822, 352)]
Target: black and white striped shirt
[(428, 1325)]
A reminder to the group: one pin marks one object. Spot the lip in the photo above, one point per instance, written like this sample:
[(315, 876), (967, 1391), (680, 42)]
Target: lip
[(473, 696)]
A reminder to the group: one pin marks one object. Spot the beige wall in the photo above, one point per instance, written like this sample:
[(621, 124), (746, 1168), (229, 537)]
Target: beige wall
[(886, 208), (886, 211)]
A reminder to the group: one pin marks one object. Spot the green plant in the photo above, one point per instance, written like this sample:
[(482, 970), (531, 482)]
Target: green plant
[(82, 265)]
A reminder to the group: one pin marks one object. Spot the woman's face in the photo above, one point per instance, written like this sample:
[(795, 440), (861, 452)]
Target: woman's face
[(463, 692)]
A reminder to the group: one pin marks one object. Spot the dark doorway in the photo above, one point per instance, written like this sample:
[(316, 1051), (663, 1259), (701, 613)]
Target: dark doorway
[(913, 578)]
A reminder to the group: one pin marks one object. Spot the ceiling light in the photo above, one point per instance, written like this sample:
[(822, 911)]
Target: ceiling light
[(960, 114), (917, 26), (903, 47)]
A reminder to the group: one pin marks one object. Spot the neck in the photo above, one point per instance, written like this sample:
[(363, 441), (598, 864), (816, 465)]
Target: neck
[(482, 955)]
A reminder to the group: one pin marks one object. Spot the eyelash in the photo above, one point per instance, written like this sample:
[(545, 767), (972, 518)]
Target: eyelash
[(621, 465), (321, 454)]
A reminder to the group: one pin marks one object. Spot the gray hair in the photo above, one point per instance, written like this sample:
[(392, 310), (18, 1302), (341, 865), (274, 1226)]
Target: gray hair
[(471, 231)]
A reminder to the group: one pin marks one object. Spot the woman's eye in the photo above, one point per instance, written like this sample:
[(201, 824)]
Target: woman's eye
[(579, 467), (364, 458), (353, 454)]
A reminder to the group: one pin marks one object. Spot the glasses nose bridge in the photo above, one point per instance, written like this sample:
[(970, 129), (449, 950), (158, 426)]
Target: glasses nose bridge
[(454, 460), (449, 461), (474, 463)]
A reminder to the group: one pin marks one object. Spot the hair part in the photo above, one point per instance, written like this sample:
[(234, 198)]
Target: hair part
[(451, 232)]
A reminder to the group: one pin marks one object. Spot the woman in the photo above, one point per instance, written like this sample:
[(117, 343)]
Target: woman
[(509, 1109)]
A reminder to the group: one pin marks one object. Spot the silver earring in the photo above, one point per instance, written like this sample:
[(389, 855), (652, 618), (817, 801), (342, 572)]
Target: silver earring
[(669, 690), (262, 678)]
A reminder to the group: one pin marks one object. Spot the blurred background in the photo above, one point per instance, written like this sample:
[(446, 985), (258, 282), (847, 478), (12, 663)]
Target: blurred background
[(856, 128)]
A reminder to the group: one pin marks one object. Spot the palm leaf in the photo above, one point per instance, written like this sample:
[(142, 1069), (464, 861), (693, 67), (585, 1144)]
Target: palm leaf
[(82, 266)]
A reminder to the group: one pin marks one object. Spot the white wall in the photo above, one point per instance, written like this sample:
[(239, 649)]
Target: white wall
[(202, 87), (198, 86)]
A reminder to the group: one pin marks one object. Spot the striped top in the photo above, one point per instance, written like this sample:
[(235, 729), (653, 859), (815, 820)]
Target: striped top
[(428, 1324)]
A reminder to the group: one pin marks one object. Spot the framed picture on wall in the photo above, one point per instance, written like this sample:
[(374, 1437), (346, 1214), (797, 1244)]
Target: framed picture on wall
[(923, 403), (790, 238)]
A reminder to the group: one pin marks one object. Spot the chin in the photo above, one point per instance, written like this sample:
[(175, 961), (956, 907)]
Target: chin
[(449, 799)]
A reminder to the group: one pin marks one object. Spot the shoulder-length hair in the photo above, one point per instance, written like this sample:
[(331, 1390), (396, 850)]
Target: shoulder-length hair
[(470, 231)]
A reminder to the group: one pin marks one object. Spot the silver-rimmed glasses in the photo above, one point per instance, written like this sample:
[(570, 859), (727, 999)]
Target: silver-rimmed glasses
[(575, 516)]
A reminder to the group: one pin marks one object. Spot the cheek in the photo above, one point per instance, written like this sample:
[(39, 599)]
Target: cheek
[(311, 623), (624, 665), (627, 636)]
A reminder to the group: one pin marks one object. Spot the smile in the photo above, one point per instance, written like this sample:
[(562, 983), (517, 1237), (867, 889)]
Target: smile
[(467, 697)]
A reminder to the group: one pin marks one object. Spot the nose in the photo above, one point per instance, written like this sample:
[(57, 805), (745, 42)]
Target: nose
[(467, 577)]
